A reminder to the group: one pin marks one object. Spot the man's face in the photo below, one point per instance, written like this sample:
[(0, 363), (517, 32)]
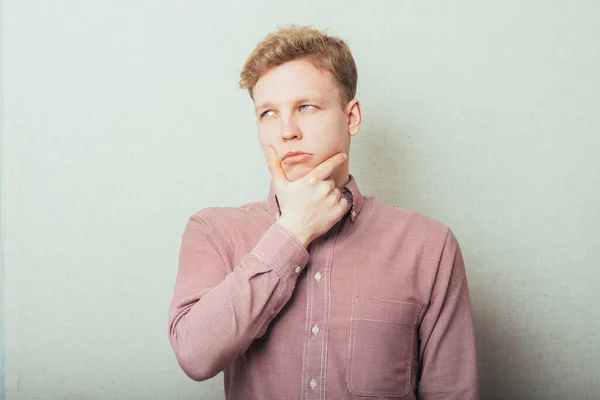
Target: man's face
[(298, 108)]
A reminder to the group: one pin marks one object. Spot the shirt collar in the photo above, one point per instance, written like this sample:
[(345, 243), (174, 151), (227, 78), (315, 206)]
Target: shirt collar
[(350, 191)]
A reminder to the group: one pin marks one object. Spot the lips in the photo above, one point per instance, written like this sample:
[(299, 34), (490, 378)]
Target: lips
[(292, 153), (294, 157)]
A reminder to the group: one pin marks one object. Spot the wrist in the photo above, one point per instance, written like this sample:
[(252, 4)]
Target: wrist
[(301, 235)]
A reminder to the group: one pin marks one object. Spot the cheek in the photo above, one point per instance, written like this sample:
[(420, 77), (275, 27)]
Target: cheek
[(330, 134), (265, 137), (331, 122)]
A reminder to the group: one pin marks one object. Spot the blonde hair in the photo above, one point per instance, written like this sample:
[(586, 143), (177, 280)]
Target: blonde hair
[(326, 52)]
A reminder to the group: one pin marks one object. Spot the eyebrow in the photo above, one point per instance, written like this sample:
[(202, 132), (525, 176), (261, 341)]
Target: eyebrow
[(302, 100), (262, 107), (312, 99)]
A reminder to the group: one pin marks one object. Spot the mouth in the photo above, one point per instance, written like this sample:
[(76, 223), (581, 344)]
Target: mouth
[(292, 153), (295, 156)]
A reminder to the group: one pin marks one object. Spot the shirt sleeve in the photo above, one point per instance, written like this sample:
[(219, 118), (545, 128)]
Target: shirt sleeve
[(448, 360), (215, 315)]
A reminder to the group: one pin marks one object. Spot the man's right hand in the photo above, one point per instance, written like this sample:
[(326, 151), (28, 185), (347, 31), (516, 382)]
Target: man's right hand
[(311, 205)]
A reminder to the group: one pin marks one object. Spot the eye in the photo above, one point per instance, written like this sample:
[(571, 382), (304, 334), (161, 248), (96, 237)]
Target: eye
[(306, 107), (266, 113)]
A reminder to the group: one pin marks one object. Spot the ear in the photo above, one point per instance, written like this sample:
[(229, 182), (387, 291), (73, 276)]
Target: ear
[(354, 117)]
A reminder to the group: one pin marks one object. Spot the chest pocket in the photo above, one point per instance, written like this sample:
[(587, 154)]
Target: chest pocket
[(383, 346)]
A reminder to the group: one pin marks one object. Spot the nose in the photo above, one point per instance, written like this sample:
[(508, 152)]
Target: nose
[(289, 129)]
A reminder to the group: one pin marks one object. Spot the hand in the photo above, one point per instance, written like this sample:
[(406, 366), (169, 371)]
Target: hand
[(311, 205)]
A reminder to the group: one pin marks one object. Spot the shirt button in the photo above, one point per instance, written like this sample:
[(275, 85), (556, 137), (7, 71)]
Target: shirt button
[(315, 329), (353, 213), (313, 383), (277, 216), (318, 276), (297, 270)]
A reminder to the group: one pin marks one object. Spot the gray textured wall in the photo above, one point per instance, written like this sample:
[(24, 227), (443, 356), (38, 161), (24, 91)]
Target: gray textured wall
[(117, 115)]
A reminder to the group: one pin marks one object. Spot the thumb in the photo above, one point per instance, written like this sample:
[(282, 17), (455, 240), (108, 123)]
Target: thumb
[(275, 167)]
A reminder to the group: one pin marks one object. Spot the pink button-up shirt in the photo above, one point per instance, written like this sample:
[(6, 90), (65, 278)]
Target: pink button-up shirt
[(378, 307)]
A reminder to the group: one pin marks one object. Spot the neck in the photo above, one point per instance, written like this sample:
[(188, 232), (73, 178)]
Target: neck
[(341, 178)]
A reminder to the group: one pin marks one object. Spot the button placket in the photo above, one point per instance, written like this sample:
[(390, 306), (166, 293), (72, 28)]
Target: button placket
[(314, 373)]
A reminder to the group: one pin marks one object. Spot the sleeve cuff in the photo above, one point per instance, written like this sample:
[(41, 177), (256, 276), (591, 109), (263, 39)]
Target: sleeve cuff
[(283, 252)]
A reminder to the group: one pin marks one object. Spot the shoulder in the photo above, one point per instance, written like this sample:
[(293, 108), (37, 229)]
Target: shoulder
[(409, 226), (229, 218), (407, 219)]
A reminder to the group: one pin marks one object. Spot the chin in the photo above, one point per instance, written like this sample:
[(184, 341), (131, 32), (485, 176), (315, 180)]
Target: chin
[(297, 172)]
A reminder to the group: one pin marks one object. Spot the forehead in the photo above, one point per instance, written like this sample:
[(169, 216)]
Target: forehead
[(294, 80)]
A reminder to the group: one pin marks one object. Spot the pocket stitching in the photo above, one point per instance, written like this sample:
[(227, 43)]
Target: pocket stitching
[(352, 344)]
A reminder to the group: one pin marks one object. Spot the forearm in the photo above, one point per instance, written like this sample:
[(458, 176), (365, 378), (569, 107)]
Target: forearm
[(210, 330)]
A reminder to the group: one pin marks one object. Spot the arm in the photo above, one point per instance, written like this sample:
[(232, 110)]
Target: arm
[(215, 315), (448, 362)]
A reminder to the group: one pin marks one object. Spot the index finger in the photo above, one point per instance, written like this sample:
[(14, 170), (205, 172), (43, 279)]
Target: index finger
[(275, 166), (326, 168)]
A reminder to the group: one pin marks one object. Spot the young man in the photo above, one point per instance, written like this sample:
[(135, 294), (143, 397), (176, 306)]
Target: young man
[(319, 292)]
